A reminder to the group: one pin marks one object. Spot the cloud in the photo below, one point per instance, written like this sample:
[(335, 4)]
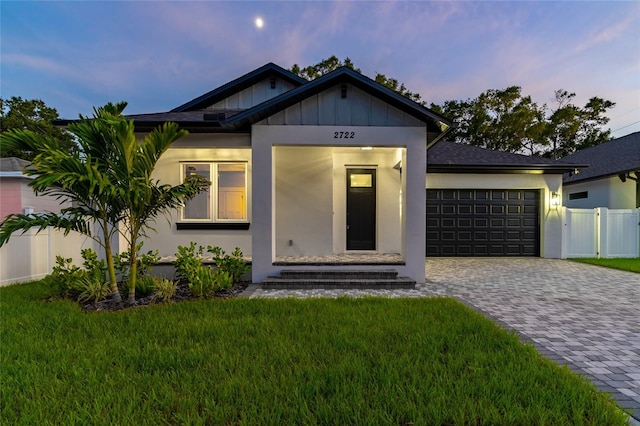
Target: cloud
[(607, 33)]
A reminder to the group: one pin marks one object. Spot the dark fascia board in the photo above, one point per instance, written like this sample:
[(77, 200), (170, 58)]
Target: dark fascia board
[(239, 84), (148, 126), (592, 178), (341, 75), (503, 168)]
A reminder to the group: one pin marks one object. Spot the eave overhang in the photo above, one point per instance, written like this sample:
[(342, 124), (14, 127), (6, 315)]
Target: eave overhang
[(599, 177), (502, 168)]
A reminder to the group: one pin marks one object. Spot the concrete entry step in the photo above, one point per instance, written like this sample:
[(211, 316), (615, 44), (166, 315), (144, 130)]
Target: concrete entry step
[(338, 279), (339, 274)]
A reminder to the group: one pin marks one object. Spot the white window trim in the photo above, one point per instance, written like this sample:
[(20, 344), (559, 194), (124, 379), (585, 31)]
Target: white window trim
[(213, 189)]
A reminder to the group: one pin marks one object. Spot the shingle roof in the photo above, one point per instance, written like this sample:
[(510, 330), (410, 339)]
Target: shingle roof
[(12, 164), (460, 158), (608, 159)]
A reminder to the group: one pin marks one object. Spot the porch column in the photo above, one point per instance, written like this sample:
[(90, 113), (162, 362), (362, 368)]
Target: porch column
[(263, 242), (416, 210)]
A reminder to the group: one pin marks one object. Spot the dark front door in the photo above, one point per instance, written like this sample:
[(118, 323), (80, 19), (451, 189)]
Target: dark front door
[(361, 209)]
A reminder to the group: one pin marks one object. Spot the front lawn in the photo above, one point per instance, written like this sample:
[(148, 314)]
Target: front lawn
[(274, 362), (631, 265)]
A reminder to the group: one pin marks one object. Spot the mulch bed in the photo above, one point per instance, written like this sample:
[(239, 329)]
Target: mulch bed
[(182, 293)]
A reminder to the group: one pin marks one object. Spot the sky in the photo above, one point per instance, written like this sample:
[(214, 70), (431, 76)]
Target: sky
[(157, 55)]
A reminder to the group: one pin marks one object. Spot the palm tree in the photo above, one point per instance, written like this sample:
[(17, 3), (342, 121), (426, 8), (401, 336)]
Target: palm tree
[(108, 181), (142, 199)]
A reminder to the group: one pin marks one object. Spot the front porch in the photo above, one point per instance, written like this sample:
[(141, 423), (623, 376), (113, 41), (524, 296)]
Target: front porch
[(343, 259)]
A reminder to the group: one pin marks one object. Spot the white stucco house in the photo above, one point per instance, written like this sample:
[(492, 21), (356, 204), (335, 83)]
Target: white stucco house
[(303, 170), (612, 178)]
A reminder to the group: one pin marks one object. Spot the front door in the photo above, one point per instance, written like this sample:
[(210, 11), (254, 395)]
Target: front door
[(361, 209)]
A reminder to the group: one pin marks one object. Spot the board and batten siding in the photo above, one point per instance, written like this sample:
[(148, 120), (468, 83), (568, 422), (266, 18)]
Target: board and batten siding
[(253, 95), (328, 108)]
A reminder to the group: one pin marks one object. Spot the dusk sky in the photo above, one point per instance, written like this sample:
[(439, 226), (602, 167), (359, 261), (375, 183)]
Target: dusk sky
[(75, 55)]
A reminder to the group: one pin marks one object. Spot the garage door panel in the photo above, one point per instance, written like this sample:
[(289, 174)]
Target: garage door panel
[(483, 222), (514, 209), (448, 222), (497, 222), (465, 209)]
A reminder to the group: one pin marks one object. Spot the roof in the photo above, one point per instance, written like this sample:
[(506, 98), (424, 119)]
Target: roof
[(12, 166), (621, 155), (435, 122), (451, 157), (194, 117), (241, 83)]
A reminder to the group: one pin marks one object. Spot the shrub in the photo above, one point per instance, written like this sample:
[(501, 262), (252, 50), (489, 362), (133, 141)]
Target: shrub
[(96, 269), (144, 262), (165, 289), (222, 280), (233, 264), (93, 289), (205, 280), (202, 282), (188, 261), (64, 277), (145, 286)]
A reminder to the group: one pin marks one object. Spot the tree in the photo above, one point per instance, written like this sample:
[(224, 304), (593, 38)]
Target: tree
[(502, 120), (34, 115), (332, 63), (505, 120), (572, 128), (108, 180)]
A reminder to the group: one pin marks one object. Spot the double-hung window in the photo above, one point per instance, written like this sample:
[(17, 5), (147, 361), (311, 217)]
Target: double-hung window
[(226, 198)]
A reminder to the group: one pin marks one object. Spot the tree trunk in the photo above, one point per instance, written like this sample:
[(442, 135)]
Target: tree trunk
[(113, 282), (133, 270)]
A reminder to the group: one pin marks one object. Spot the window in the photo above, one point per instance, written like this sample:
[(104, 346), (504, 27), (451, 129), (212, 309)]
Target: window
[(226, 198), (579, 195)]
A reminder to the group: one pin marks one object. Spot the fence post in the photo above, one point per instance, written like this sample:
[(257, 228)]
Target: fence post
[(603, 237)]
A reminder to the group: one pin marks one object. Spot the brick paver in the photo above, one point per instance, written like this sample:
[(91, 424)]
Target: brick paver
[(581, 315)]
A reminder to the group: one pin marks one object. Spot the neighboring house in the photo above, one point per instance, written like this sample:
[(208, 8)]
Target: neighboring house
[(335, 166), (16, 196), (612, 178)]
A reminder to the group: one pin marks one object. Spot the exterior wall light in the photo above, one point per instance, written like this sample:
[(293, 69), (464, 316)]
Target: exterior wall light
[(555, 200), (367, 148)]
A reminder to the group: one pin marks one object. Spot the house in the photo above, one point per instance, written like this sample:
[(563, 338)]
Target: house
[(306, 170), (16, 196), (612, 178)]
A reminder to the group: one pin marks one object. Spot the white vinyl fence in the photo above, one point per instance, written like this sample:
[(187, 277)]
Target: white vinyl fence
[(31, 256), (601, 232)]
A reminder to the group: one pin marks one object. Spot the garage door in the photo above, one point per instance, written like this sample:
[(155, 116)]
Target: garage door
[(483, 222)]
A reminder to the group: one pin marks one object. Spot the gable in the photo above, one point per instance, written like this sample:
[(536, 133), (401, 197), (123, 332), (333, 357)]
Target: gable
[(330, 108), (251, 89), (253, 95)]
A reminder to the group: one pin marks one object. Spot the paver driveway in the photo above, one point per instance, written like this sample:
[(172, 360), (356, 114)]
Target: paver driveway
[(585, 316)]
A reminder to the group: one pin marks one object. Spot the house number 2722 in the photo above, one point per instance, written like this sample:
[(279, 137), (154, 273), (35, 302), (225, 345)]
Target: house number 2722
[(344, 135)]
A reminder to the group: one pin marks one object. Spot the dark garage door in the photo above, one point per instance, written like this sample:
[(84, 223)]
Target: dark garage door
[(483, 222)]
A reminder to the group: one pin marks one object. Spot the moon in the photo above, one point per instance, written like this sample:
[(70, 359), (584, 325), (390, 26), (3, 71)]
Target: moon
[(259, 22)]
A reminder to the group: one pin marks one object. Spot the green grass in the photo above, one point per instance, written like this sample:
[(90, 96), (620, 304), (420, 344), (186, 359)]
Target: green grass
[(275, 362), (631, 265)]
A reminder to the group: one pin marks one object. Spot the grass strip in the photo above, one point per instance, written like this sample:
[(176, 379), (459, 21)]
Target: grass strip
[(624, 264), (272, 362)]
